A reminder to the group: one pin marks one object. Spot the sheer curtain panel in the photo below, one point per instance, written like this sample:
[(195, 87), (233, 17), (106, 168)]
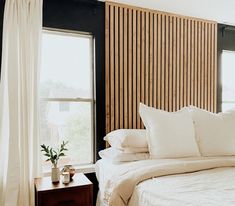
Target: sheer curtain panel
[(19, 138)]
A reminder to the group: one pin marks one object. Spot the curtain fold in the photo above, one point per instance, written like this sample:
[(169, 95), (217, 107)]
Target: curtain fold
[(19, 133)]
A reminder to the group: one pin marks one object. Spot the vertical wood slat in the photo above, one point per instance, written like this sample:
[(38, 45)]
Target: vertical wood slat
[(159, 39), (192, 62), (166, 63), (203, 67), (196, 65), (116, 68), (178, 64), (138, 67), (135, 113), (151, 59), (189, 80), (181, 96), (155, 60), (206, 69), (174, 66), (125, 69), (199, 65), (121, 91), (130, 68), (163, 47), (142, 59), (146, 58), (185, 55), (170, 47), (160, 59)]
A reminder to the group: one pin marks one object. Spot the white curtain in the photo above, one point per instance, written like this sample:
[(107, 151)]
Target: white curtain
[(19, 138)]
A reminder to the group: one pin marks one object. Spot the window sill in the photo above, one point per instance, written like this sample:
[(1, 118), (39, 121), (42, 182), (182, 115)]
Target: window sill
[(79, 169)]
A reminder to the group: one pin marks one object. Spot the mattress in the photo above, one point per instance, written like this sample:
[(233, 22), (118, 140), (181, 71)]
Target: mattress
[(208, 187)]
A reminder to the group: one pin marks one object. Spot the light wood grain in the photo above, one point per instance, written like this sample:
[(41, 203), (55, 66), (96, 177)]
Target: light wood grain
[(163, 55), (121, 82), (159, 39), (138, 67), (116, 69), (135, 112), (130, 68), (125, 51), (151, 59), (155, 32), (163, 60)]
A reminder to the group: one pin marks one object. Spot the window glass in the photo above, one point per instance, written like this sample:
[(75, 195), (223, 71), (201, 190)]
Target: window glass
[(228, 80), (66, 66), (66, 95)]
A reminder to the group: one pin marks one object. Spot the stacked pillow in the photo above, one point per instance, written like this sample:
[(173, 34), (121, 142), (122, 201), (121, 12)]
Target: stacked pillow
[(128, 140), (189, 132), (126, 145)]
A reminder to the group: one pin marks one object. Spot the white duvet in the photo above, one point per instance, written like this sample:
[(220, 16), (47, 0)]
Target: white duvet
[(206, 188), (204, 181)]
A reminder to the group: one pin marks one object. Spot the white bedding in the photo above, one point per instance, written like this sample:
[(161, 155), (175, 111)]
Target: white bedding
[(208, 187), (205, 188)]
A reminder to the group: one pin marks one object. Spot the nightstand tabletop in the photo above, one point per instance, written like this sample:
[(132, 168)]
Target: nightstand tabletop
[(45, 184)]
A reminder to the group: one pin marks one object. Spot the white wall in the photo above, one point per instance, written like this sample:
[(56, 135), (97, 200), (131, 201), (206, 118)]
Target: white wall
[(222, 11)]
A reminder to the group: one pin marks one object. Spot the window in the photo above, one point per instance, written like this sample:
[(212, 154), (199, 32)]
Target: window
[(228, 81), (67, 103)]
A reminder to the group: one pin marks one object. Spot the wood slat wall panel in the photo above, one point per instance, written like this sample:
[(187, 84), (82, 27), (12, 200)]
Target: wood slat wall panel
[(138, 66), (163, 60), (125, 70)]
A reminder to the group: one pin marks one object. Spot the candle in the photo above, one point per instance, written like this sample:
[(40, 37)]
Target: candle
[(66, 177)]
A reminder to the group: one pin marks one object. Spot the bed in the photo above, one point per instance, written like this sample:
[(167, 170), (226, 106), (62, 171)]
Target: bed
[(163, 182), (182, 158)]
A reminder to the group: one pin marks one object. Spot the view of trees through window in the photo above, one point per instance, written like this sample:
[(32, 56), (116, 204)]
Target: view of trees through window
[(67, 96), (228, 81)]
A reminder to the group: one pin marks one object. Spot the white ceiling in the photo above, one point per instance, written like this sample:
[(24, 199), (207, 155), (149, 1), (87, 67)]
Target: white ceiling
[(222, 11)]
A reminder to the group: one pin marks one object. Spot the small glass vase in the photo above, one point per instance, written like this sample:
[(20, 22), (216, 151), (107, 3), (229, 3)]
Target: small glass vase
[(55, 174)]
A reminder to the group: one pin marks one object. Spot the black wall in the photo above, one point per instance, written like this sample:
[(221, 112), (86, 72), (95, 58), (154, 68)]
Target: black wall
[(226, 41)]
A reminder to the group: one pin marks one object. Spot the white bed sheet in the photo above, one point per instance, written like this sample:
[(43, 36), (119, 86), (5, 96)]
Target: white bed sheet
[(206, 188)]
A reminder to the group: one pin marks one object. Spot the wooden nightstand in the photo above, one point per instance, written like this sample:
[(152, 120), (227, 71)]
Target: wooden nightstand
[(79, 192)]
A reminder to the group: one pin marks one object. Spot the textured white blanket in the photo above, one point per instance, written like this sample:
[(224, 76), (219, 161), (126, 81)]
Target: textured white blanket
[(120, 186), (214, 187)]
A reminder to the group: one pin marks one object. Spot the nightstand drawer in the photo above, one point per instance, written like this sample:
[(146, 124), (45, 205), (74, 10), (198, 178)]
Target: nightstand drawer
[(81, 196)]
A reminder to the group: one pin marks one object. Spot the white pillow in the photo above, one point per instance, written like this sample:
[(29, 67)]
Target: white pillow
[(128, 140), (215, 133), (116, 156), (170, 134)]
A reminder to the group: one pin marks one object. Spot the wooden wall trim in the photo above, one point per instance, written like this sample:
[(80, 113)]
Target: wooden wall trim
[(156, 11), (163, 60)]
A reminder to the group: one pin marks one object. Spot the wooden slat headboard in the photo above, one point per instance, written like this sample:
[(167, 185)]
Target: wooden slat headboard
[(163, 60)]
